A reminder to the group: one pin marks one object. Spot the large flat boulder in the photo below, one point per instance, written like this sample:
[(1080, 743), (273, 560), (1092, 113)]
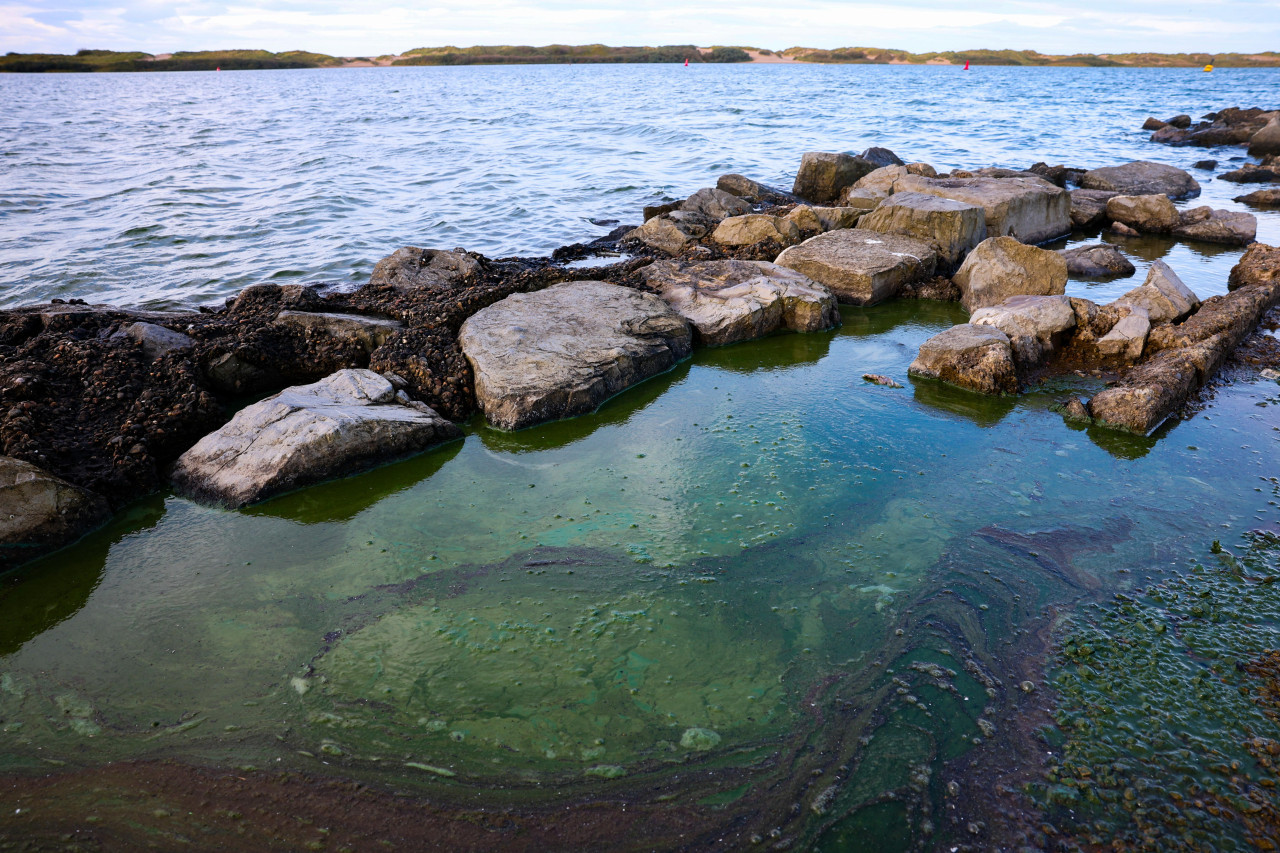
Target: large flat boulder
[(1028, 209), (861, 267), (367, 332), (823, 175), (1035, 325), (1162, 295), (952, 227), (40, 512), (411, 268), (1229, 227), (345, 423), (756, 228), (1001, 267), (564, 350), (979, 358), (729, 301), (1151, 213), (1267, 140), (1100, 260), (1142, 177), (1089, 207)]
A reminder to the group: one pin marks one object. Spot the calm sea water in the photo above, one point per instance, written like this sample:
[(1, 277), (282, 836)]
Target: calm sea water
[(756, 588), (183, 188)]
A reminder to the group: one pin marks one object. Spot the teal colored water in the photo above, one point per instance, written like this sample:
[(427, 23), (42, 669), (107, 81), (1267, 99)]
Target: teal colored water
[(755, 555)]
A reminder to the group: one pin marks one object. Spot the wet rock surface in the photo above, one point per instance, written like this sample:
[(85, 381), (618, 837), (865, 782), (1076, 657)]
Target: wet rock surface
[(861, 267), (1232, 126), (412, 268), (977, 358), (1028, 209), (1228, 227), (40, 512), (343, 424), (1035, 325), (1142, 177), (1100, 261), (1260, 198), (1001, 267), (564, 350), (729, 301)]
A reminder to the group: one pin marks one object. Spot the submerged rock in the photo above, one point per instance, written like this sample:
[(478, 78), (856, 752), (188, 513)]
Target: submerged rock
[(369, 332), (411, 268), (564, 350), (1099, 260), (729, 301), (1152, 213), (1260, 198), (1162, 295), (823, 175), (40, 512), (1035, 325), (1001, 267), (1089, 207), (979, 358), (861, 267), (952, 227), (1229, 227), (1253, 173), (1028, 209), (343, 424), (755, 228), (1142, 177)]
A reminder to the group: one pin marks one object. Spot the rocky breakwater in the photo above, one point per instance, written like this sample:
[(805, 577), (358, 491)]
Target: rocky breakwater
[(564, 350), (345, 423)]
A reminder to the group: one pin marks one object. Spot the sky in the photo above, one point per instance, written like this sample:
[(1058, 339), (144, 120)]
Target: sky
[(375, 27)]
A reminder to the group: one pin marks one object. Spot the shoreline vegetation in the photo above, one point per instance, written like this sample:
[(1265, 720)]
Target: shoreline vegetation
[(241, 60)]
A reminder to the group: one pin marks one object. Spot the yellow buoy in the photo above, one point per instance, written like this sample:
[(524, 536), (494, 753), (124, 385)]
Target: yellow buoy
[(1208, 68)]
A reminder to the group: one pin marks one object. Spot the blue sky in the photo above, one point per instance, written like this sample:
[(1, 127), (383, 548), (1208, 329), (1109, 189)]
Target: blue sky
[(391, 26)]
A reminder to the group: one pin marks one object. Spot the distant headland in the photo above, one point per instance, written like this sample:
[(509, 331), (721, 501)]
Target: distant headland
[(557, 54)]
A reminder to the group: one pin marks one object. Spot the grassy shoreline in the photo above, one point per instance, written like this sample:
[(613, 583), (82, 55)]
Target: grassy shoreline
[(134, 61)]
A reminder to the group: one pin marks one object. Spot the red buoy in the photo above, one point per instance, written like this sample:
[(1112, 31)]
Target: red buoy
[(966, 65)]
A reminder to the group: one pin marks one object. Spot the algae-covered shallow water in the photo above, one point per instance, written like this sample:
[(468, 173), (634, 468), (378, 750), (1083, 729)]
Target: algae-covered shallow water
[(753, 603), (756, 593)]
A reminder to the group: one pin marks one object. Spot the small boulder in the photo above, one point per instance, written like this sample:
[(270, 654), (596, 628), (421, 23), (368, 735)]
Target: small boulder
[(1260, 198), (864, 198), (755, 228), (1029, 209), (952, 227), (1207, 165), (1254, 173), (40, 512), (881, 157), (1228, 227), (1150, 213), (729, 301), (1123, 230), (753, 191), (412, 268), (1181, 122), (923, 170), (821, 219), (979, 358), (1000, 267), (672, 232), (347, 422), (823, 175), (1153, 123), (715, 204), (1267, 140), (368, 332), (882, 180), (563, 351), (861, 267), (157, 341), (1035, 324), (1089, 207), (1099, 260), (1162, 295), (1142, 177), (1128, 337)]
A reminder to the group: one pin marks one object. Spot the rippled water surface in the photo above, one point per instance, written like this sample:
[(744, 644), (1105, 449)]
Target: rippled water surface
[(755, 600), (184, 188)]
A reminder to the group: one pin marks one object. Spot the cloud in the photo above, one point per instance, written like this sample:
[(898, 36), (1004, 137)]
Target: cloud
[(391, 26)]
